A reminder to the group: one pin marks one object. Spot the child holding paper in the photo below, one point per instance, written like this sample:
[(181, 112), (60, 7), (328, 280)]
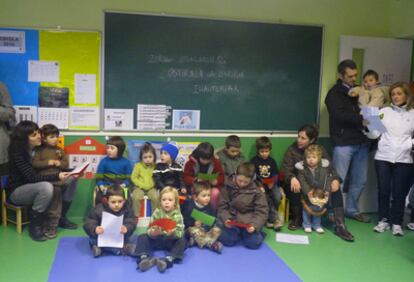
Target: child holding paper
[(115, 205), (142, 178), (113, 169), (50, 159), (267, 174), (203, 166), (166, 232), (199, 219), (243, 209)]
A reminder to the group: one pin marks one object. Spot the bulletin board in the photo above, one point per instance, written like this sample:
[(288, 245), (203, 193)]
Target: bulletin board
[(55, 68)]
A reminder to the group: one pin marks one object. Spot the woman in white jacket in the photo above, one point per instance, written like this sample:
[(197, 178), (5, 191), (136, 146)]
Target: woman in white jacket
[(393, 159)]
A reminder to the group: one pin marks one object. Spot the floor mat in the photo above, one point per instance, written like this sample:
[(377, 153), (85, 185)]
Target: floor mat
[(74, 262)]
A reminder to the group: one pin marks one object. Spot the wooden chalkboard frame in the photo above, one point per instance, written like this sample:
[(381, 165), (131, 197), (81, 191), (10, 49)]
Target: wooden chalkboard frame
[(315, 118)]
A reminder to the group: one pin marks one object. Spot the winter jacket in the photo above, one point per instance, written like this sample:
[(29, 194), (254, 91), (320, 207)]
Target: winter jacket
[(141, 176), (374, 97), (192, 168), (229, 165), (41, 158), (168, 175)]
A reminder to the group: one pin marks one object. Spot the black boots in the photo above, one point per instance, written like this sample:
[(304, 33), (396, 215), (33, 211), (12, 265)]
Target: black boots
[(64, 222), (296, 221), (36, 226), (340, 228)]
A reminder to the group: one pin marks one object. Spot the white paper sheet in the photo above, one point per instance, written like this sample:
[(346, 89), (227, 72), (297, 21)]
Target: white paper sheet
[(292, 239), (372, 115), (118, 119), (84, 116), (59, 117), (112, 236), (44, 71), (85, 89), (26, 113)]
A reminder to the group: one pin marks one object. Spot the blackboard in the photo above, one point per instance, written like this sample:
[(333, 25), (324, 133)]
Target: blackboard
[(241, 75)]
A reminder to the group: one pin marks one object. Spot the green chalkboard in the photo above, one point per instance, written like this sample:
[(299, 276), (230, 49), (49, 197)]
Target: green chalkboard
[(240, 75)]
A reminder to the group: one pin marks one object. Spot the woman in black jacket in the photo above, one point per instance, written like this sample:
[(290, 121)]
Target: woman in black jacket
[(25, 186)]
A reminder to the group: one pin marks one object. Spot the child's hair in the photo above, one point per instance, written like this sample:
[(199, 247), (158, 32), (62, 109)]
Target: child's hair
[(170, 189), (314, 150), (372, 73), (406, 89), (147, 148), (246, 169), (233, 141), (203, 151), (118, 142), (263, 143), (199, 187), (19, 139), (115, 190), (49, 129)]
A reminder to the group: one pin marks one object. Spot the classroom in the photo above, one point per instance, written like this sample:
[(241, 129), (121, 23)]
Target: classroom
[(141, 73)]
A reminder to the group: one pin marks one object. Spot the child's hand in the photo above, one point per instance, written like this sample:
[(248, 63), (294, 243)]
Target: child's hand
[(51, 162), (250, 229), (170, 233), (352, 94), (183, 190), (99, 230), (197, 223), (227, 223), (63, 175), (122, 185), (57, 163), (262, 189), (154, 232), (213, 182), (124, 229)]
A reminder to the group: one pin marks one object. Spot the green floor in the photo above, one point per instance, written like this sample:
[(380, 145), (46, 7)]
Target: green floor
[(372, 257)]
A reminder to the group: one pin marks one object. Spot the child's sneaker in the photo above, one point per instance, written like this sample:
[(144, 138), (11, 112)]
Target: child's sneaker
[(217, 247), (319, 230), (146, 263), (410, 226), (382, 226), (307, 229), (397, 230), (163, 264), (278, 225), (96, 251), (191, 242), (50, 232), (269, 224)]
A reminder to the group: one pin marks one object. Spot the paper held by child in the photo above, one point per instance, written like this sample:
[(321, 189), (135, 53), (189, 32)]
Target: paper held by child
[(112, 236), (205, 218), (165, 224), (239, 224), (207, 176), (79, 169)]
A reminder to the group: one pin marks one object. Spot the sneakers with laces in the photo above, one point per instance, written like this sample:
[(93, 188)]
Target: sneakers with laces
[(397, 230), (319, 230), (410, 226), (278, 225), (382, 226), (96, 251), (307, 229)]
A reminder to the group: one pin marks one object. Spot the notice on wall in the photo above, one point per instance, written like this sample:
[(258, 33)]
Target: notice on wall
[(119, 119), (84, 117), (152, 117), (44, 71), (56, 116), (12, 41), (85, 89), (26, 113), (186, 120)]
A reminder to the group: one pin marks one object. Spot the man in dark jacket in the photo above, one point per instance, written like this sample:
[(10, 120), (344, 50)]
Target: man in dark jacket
[(350, 145)]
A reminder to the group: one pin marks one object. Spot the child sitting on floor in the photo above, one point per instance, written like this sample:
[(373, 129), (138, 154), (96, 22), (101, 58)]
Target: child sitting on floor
[(165, 232), (115, 205), (243, 209), (198, 232)]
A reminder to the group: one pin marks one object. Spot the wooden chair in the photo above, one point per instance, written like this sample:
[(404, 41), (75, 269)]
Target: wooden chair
[(20, 212), (284, 209)]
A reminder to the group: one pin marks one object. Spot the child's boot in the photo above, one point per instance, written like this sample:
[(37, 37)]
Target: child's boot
[(146, 263), (50, 232), (164, 263), (96, 251), (217, 247)]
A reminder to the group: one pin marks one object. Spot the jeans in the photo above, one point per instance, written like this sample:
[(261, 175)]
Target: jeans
[(37, 194), (311, 220), (231, 236), (352, 161), (115, 251), (394, 181), (273, 197), (174, 247)]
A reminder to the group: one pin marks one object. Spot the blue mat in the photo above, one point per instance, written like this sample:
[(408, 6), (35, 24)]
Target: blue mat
[(74, 262)]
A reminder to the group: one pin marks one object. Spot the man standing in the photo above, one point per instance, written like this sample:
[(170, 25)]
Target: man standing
[(351, 147)]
